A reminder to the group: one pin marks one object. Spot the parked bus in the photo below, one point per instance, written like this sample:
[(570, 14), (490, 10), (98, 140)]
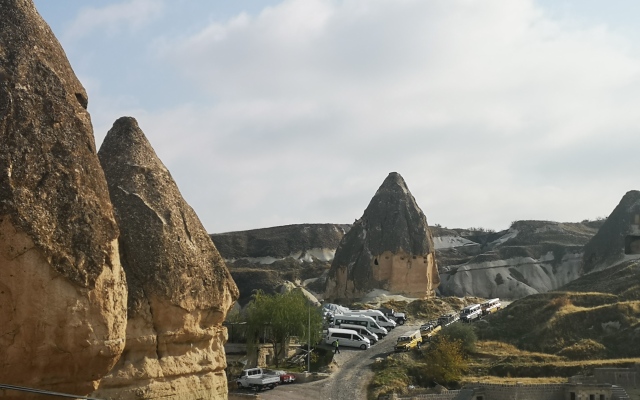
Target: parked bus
[(490, 306)]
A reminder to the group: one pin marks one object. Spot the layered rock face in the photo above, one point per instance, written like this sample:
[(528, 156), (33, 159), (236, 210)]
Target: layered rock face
[(62, 289), (619, 237), (389, 248), (268, 258), (530, 257), (179, 287)]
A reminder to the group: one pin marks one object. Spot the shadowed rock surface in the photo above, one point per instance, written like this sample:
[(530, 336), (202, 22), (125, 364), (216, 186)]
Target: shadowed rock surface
[(62, 289), (267, 258), (390, 247), (179, 287), (619, 237)]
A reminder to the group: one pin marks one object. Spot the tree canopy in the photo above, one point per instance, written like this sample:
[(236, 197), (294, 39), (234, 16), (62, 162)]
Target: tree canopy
[(445, 361), (276, 318)]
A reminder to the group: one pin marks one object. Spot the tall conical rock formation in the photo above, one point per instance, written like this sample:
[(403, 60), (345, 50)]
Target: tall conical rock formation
[(390, 247), (179, 287), (62, 289), (618, 239)]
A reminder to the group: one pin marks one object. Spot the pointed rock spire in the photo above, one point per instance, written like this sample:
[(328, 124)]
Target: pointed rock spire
[(62, 289), (618, 238), (390, 247), (179, 287)]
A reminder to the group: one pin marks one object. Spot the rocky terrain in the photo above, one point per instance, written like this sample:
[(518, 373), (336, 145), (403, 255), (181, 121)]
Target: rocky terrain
[(530, 257), (62, 288), (390, 247), (265, 259)]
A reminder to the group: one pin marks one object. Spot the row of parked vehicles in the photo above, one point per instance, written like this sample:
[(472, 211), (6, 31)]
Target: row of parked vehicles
[(430, 329), (360, 328)]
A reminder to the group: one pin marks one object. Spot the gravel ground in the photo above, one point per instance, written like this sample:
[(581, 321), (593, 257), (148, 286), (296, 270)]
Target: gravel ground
[(349, 382)]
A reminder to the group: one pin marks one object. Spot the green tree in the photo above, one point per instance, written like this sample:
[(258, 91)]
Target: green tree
[(465, 333), (445, 361), (278, 317)]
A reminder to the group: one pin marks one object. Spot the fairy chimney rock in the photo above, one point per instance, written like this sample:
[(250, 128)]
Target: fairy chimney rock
[(618, 239), (390, 247), (179, 287), (62, 289)]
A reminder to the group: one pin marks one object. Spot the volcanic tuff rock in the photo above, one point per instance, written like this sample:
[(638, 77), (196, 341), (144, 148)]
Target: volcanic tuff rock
[(530, 257), (618, 239), (267, 258), (389, 247), (62, 289), (179, 287)]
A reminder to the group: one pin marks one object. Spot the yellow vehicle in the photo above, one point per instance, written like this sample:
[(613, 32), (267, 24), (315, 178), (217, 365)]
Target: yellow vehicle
[(409, 341), (427, 331)]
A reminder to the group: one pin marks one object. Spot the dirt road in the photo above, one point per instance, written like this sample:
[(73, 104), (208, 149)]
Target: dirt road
[(349, 381)]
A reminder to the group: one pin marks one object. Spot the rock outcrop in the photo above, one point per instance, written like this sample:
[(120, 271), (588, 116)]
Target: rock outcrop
[(619, 237), (265, 259), (179, 287), (530, 257), (390, 247), (62, 289)]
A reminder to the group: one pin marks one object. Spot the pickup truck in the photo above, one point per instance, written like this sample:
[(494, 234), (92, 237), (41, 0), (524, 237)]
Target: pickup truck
[(285, 377), (400, 318), (257, 379)]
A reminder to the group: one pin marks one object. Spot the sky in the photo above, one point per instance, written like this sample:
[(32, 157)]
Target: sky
[(270, 113)]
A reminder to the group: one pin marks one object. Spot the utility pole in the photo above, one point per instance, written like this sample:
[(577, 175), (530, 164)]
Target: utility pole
[(309, 338)]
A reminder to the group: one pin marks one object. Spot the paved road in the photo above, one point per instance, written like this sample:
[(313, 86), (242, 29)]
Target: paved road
[(349, 382)]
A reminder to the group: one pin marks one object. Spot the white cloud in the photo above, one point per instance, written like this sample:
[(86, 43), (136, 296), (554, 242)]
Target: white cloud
[(114, 18), (492, 111)]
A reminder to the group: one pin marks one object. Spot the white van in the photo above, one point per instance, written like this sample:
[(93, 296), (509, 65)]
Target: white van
[(373, 338), (380, 318), (361, 320), (471, 313), (347, 338)]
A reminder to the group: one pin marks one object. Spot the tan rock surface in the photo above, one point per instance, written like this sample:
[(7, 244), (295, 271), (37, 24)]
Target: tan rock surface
[(390, 247), (62, 289), (180, 289)]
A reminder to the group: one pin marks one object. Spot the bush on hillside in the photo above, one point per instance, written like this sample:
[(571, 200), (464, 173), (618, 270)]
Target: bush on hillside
[(464, 333), (585, 349), (444, 362)]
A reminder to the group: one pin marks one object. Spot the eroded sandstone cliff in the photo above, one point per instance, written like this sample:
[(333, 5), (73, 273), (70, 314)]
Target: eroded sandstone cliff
[(179, 287), (390, 247), (62, 289)]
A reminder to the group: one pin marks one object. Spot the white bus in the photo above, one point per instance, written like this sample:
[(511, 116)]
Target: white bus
[(490, 306), (361, 320), (373, 338), (380, 318), (471, 313), (347, 337)]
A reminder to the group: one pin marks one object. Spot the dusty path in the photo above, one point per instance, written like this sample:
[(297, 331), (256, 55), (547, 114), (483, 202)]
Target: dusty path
[(349, 381)]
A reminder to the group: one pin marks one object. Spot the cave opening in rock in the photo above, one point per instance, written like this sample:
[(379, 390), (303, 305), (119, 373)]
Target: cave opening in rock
[(632, 245)]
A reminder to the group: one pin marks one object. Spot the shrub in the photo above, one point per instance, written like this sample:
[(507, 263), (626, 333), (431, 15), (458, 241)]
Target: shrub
[(445, 362), (464, 333)]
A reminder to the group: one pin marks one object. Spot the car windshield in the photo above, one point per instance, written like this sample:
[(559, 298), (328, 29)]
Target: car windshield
[(403, 339)]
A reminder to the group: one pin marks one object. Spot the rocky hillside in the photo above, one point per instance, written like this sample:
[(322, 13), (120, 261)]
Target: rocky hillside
[(530, 257), (597, 315), (268, 258)]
